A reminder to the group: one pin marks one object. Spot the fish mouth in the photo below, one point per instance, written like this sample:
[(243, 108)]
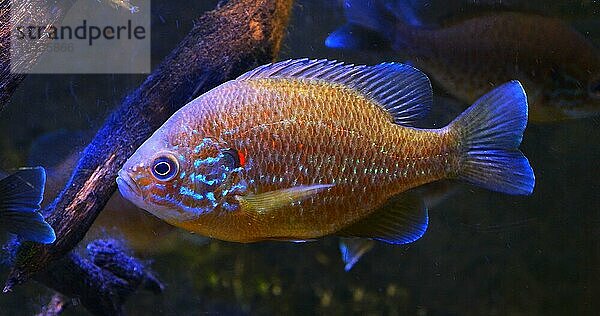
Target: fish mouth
[(128, 188)]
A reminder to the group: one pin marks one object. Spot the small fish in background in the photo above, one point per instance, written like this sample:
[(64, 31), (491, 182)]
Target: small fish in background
[(124, 4), (559, 67), (570, 10), (58, 153), (20, 196), (302, 149)]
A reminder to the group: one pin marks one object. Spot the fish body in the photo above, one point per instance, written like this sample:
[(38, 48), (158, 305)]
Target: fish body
[(325, 143), (303, 149), (20, 196), (559, 68)]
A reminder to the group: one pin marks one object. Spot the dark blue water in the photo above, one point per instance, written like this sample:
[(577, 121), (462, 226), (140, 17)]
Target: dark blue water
[(484, 253)]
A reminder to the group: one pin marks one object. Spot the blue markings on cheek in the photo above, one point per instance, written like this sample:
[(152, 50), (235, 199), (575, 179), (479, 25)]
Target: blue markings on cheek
[(182, 175), (206, 161), (205, 142), (230, 207), (202, 178), (211, 160), (191, 193), (211, 197), (241, 187), (157, 198)]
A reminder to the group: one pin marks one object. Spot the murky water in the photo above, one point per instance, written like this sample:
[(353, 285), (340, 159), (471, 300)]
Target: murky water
[(484, 253)]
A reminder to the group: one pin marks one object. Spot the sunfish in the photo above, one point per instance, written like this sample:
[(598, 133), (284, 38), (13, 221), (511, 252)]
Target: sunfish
[(559, 68), (303, 149), (20, 196)]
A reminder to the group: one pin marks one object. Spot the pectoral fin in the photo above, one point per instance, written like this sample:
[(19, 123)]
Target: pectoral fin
[(272, 200), (353, 249), (402, 220)]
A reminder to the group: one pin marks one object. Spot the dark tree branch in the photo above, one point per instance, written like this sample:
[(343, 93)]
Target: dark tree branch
[(51, 12), (222, 45), (102, 280), (57, 305)]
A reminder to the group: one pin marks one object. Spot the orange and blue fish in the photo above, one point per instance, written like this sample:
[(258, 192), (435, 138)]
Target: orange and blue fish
[(303, 149)]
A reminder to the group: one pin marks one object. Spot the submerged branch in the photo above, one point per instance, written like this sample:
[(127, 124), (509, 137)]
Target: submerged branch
[(222, 45), (102, 280), (33, 13), (57, 305)]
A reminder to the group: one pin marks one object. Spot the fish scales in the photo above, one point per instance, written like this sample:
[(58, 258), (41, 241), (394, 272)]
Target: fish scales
[(331, 133), (303, 149)]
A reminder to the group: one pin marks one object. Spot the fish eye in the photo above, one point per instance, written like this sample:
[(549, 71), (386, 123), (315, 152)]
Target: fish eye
[(165, 167), (231, 158)]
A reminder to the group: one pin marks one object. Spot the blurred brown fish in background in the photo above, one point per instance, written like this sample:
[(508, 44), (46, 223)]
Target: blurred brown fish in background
[(559, 67), (571, 10)]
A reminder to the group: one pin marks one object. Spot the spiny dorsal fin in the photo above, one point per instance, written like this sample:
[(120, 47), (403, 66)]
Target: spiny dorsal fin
[(402, 220), (403, 91)]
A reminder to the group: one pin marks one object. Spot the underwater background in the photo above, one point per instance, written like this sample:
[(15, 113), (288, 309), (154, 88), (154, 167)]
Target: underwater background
[(484, 253)]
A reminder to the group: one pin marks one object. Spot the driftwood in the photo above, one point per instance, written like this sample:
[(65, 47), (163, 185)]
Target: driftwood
[(223, 44), (102, 280), (57, 305)]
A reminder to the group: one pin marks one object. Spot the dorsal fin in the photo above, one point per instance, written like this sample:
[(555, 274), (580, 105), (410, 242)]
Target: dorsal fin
[(402, 220), (403, 91)]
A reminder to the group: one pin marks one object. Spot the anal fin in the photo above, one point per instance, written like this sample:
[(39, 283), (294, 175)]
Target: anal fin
[(402, 220)]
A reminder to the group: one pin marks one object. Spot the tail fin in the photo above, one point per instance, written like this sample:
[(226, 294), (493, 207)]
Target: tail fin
[(20, 196), (374, 17), (491, 131)]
